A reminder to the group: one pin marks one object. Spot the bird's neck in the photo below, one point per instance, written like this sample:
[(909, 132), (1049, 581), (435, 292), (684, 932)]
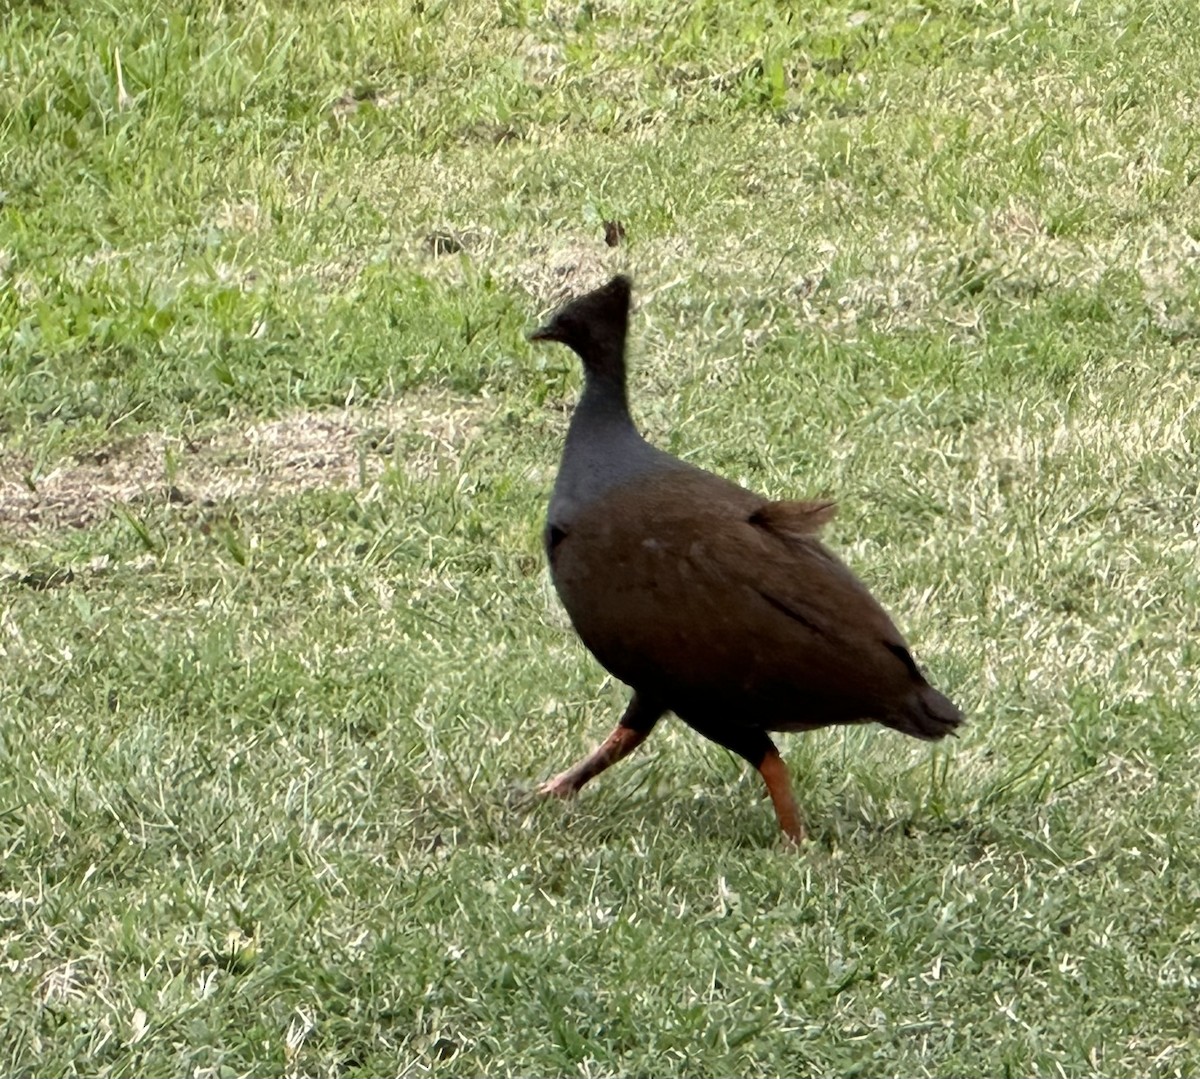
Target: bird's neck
[(602, 441), (603, 449), (604, 402), (604, 395)]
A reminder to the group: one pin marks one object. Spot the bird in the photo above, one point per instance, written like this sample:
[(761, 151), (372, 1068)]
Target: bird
[(707, 600)]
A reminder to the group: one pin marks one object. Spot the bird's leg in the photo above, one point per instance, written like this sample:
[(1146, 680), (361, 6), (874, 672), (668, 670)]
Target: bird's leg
[(756, 747), (637, 722), (779, 787)]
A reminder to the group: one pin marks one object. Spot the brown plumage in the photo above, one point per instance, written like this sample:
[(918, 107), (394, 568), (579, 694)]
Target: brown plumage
[(706, 599)]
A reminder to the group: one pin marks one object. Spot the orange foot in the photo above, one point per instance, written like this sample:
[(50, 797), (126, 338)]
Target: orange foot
[(561, 786)]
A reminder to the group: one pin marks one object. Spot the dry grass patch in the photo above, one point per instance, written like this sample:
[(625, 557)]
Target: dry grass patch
[(260, 461)]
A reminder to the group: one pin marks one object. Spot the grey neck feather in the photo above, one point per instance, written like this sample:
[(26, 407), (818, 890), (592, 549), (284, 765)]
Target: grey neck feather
[(603, 449)]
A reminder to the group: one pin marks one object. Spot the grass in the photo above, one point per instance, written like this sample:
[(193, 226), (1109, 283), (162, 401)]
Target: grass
[(267, 736)]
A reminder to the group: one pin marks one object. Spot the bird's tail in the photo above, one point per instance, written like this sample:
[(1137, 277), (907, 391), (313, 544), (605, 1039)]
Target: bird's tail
[(927, 714)]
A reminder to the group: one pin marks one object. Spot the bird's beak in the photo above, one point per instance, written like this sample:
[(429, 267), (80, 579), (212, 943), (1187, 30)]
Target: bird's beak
[(544, 333)]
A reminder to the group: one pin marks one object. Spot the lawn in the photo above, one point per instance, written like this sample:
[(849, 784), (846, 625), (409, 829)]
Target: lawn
[(280, 662)]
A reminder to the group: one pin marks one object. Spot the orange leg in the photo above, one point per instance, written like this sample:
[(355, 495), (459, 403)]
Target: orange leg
[(779, 787), (637, 722)]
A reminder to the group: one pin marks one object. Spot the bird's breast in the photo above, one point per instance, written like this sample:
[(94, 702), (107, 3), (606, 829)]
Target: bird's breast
[(552, 539)]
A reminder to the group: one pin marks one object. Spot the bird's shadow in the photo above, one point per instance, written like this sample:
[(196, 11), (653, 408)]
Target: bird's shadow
[(735, 813), (652, 804)]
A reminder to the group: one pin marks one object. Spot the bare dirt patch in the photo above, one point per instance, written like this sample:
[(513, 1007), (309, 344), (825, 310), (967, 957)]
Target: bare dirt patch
[(337, 448)]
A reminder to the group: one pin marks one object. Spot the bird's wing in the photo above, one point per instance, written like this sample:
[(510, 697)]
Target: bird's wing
[(707, 592)]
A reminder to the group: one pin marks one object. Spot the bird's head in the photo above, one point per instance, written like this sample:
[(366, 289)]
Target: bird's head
[(593, 325)]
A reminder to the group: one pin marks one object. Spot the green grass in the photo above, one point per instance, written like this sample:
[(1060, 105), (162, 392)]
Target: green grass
[(266, 743)]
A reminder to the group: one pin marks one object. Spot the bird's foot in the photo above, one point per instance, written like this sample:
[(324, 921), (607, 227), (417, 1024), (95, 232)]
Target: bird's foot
[(794, 841), (562, 786)]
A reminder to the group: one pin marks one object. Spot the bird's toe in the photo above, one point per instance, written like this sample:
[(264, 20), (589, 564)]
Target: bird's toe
[(561, 786)]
